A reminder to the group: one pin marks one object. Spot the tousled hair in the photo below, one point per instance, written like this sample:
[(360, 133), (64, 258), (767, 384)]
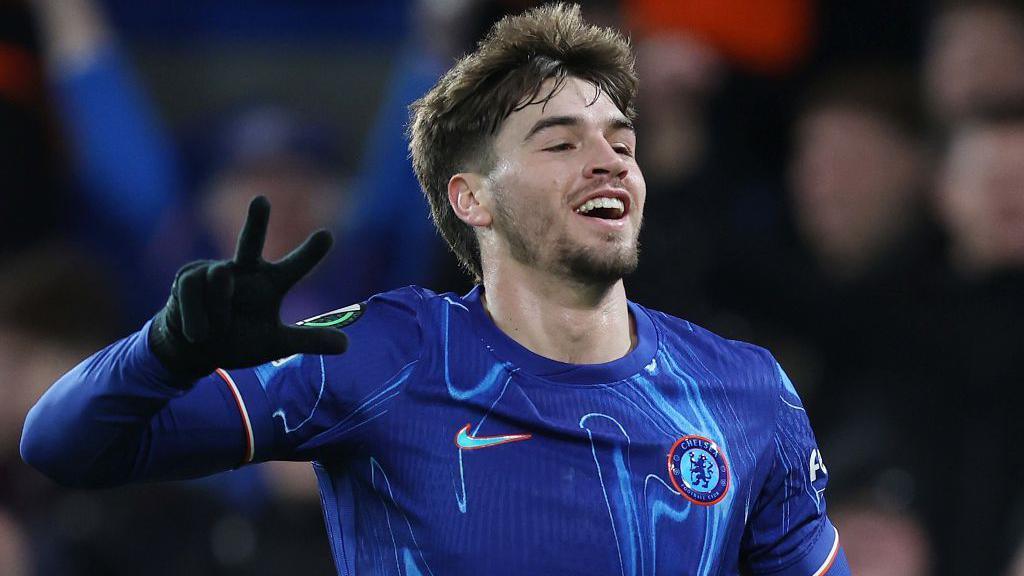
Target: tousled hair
[(885, 91), (452, 127)]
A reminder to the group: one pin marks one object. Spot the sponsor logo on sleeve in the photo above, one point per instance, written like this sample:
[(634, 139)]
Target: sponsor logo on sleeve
[(817, 465)]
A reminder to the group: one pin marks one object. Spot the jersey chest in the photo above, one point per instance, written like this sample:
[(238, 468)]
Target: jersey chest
[(475, 463)]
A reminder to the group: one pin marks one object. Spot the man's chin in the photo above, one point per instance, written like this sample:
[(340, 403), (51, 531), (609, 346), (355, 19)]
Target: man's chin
[(588, 267)]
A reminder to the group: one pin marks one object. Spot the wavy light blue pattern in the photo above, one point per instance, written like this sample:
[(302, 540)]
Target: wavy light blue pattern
[(409, 560)]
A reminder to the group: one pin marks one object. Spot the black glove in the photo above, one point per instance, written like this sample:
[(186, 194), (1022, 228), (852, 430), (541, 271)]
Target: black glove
[(226, 313)]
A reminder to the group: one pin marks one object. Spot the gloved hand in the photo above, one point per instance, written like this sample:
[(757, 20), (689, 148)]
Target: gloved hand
[(226, 313)]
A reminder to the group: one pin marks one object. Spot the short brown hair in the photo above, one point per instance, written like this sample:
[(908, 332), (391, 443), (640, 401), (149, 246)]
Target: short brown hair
[(881, 90), (451, 128)]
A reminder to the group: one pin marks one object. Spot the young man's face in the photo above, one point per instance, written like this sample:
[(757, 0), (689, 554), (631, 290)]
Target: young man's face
[(855, 180), (982, 197), (566, 194)]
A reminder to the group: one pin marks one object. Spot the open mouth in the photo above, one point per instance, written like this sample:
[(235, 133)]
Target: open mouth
[(603, 207)]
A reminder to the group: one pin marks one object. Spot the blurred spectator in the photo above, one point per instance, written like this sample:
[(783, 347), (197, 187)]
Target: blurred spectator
[(974, 57), (675, 148), (293, 161), (860, 288), (881, 542), (15, 554), (681, 74), (859, 171), (123, 174), (861, 241), (844, 301), (30, 205), (394, 220), (119, 163), (714, 101), (267, 150), (767, 37), (981, 199), (134, 203), (57, 305)]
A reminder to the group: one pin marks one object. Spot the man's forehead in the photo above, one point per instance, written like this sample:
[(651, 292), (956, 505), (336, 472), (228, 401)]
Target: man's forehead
[(993, 140), (574, 97), (978, 153)]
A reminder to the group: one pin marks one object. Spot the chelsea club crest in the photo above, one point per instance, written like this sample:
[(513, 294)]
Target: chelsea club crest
[(698, 469)]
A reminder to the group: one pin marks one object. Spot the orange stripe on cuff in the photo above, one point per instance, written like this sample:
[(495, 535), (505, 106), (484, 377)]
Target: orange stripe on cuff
[(831, 556), (250, 445)]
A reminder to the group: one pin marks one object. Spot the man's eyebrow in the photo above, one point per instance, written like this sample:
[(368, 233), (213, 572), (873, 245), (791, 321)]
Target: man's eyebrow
[(621, 123), (550, 121), (618, 123)]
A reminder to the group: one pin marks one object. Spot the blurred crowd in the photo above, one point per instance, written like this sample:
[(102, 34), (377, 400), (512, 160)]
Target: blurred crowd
[(842, 183)]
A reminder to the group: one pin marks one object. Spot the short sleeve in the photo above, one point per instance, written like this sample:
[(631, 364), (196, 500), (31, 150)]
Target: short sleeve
[(788, 532), (293, 407)]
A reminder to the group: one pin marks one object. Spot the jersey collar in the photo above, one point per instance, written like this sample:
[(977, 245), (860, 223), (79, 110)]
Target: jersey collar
[(582, 374)]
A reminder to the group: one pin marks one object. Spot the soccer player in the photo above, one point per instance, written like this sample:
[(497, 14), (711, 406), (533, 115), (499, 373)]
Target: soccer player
[(541, 424)]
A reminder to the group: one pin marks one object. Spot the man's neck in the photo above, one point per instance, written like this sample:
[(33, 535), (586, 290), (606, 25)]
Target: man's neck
[(568, 321)]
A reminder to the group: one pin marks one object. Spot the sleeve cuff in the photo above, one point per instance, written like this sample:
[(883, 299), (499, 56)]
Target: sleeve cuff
[(141, 361), (243, 386), (254, 410), (823, 558)]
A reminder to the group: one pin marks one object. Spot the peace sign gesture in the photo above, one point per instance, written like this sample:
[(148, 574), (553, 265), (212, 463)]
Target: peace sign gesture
[(226, 313)]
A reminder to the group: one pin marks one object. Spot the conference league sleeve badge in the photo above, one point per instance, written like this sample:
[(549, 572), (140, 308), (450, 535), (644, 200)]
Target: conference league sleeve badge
[(335, 318)]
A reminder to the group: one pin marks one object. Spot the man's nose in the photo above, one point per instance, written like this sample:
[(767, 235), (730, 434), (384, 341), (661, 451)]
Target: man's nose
[(605, 161)]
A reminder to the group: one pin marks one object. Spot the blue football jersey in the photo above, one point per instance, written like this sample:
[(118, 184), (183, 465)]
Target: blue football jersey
[(442, 446)]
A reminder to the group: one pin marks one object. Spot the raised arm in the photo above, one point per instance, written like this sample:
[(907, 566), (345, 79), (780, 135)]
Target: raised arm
[(150, 406), (227, 313), (126, 166)]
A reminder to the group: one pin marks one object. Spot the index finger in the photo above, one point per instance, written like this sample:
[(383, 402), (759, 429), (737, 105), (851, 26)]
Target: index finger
[(254, 232)]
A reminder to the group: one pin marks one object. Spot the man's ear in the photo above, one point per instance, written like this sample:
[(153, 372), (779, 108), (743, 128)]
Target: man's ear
[(467, 195)]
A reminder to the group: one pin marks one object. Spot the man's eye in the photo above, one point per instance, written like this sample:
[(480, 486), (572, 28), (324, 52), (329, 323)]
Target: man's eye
[(624, 150), (560, 147)]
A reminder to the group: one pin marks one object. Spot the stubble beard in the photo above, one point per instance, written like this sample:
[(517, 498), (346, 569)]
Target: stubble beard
[(606, 264)]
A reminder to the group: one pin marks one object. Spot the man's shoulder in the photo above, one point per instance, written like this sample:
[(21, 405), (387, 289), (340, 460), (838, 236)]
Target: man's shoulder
[(411, 305), (417, 296), (411, 294), (385, 331), (679, 334), (424, 302)]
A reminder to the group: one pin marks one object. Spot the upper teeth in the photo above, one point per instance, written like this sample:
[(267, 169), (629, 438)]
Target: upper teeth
[(601, 203)]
